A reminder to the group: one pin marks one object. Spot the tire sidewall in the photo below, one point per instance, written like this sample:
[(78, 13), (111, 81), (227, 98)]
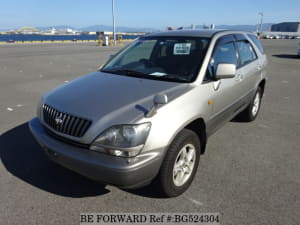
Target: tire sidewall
[(183, 138), (251, 116)]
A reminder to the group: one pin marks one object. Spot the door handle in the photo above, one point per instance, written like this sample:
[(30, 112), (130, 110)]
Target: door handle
[(259, 67), (239, 77)]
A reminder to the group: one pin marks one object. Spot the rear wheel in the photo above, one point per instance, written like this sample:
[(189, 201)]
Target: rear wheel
[(180, 164), (251, 112)]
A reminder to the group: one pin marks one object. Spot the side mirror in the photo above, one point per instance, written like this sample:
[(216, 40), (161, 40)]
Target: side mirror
[(225, 71), (111, 56), (159, 99)]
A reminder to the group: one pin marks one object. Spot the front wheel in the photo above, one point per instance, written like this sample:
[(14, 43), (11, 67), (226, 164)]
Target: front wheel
[(180, 164)]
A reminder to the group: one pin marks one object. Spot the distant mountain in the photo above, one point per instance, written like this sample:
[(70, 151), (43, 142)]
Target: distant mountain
[(252, 28), (59, 27), (100, 28), (118, 29)]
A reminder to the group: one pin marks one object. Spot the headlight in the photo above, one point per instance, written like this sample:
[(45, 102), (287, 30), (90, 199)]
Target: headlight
[(122, 140)]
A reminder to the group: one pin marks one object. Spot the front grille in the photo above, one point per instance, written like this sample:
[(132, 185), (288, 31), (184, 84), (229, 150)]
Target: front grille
[(65, 140), (65, 123)]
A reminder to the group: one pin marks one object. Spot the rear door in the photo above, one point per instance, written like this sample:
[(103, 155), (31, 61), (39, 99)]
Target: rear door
[(249, 68)]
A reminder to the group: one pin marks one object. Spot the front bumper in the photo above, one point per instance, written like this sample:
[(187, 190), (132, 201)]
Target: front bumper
[(123, 172)]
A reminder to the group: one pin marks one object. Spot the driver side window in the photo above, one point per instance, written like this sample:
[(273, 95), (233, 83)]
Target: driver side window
[(223, 53)]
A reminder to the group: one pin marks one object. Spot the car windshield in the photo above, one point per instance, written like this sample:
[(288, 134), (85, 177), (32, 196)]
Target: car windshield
[(176, 59)]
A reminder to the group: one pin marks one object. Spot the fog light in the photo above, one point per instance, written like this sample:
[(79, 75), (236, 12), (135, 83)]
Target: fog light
[(115, 152)]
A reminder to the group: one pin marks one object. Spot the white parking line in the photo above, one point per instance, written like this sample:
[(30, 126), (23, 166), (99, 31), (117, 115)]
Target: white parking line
[(195, 201)]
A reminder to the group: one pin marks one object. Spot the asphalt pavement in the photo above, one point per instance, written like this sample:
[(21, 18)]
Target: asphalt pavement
[(250, 173)]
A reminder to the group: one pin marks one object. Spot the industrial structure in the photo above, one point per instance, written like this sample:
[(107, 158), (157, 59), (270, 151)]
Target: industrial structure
[(286, 27), (283, 30)]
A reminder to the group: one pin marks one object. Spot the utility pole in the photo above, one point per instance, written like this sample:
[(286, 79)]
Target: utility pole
[(114, 23), (261, 22)]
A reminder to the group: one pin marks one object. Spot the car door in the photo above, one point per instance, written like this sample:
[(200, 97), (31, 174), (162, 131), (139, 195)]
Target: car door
[(249, 68), (225, 93)]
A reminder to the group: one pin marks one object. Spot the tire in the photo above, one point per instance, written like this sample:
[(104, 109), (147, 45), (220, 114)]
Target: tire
[(251, 112), (180, 164)]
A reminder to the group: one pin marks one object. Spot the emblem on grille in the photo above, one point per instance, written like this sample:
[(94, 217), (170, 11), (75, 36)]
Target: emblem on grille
[(58, 120)]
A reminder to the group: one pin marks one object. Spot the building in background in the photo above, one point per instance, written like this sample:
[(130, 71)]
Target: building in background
[(286, 27), (27, 30)]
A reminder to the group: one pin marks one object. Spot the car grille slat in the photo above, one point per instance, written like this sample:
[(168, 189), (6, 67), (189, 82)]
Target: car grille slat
[(48, 115), (65, 123), (53, 118), (74, 126), (47, 119), (69, 126), (63, 116), (84, 127), (77, 131), (45, 109)]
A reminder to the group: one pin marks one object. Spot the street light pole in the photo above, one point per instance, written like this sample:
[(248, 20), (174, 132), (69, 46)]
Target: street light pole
[(261, 22), (114, 23)]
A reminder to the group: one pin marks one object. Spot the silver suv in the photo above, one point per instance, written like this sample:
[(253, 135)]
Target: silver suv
[(147, 113)]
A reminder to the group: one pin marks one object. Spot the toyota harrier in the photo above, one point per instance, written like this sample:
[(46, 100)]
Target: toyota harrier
[(148, 112)]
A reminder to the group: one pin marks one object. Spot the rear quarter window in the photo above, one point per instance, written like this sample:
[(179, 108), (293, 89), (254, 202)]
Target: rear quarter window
[(257, 43)]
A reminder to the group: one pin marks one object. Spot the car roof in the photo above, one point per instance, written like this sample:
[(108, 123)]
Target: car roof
[(192, 33)]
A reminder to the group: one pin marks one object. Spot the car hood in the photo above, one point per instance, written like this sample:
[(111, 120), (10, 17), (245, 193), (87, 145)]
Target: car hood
[(109, 99)]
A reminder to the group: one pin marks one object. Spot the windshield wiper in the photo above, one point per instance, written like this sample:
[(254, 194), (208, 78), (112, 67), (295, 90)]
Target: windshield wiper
[(171, 77), (127, 72), (133, 73)]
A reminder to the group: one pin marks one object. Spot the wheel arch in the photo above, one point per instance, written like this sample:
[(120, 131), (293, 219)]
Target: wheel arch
[(196, 125), (199, 127), (262, 84)]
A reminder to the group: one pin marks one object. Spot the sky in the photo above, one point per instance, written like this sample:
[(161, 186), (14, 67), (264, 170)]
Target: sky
[(156, 14)]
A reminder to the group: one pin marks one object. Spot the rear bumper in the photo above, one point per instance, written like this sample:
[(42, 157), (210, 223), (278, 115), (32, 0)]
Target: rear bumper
[(123, 172)]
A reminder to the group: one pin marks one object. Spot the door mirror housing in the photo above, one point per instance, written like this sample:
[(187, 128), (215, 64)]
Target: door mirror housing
[(225, 71), (160, 99)]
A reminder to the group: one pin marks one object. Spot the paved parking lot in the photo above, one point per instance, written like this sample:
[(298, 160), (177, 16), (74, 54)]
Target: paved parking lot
[(250, 172)]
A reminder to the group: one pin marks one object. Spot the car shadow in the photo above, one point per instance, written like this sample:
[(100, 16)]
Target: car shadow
[(150, 191), (286, 56), (238, 119), (23, 158)]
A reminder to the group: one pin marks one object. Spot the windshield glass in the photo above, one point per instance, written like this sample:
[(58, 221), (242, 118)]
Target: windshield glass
[(164, 58)]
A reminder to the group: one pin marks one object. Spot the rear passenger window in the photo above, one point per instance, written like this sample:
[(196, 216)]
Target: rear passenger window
[(246, 52), (257, 43)]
